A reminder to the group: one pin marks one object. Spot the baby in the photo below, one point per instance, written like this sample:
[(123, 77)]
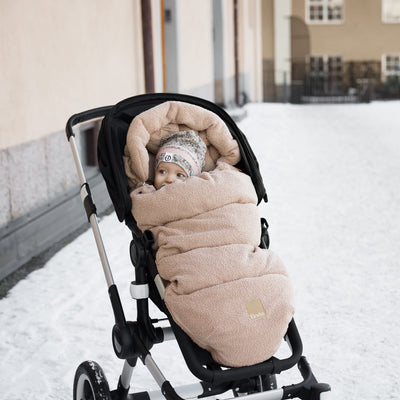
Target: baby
[(181, 155)]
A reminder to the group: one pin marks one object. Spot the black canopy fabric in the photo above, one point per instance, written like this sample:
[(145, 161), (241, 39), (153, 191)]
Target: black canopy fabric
[(112, 140)]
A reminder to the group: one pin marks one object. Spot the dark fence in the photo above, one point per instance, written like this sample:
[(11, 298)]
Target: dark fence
[(350, 82)]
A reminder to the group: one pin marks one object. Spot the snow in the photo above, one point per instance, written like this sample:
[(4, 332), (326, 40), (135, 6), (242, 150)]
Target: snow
[(332, 173)]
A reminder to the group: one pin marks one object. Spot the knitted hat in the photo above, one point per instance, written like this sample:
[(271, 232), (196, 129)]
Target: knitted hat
[(184, 148)]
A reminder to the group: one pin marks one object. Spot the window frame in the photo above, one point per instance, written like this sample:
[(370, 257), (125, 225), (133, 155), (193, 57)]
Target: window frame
[(324, 20), (329, 80), (384, 63), (385, 18)]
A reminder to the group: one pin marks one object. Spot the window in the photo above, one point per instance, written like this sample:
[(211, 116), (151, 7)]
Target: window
[(324, 11), (325, 74), (390, 66), (391, 11)]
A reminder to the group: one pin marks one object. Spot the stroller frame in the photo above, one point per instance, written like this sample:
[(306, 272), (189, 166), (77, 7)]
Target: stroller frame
[(133, 340)]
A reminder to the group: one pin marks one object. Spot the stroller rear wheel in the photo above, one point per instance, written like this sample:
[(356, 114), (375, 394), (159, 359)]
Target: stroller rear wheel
[(90, 383)]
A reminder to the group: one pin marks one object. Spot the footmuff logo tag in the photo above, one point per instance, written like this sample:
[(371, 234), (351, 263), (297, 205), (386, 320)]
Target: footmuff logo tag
[(255, 309)]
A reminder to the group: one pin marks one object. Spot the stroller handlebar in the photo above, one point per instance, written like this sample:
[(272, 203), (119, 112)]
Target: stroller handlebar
[(84, 117)]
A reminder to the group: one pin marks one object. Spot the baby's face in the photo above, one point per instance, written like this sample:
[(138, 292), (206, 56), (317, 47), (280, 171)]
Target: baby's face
[(167, 173)]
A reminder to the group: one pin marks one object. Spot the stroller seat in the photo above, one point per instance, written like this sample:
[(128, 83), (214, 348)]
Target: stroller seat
[(133, 340)]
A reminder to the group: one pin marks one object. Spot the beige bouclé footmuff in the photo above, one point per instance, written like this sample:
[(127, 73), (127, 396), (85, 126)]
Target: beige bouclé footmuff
[(231, 297)]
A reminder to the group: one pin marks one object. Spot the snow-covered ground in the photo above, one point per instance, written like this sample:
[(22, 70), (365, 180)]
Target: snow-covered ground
[(332, 173)]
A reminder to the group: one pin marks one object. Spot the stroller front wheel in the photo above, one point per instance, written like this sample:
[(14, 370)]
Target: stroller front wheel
[(90, 383)]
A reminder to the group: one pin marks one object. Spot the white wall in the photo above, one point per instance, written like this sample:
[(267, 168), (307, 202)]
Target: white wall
[(199, 42), (282, 12), (224, 66), (189, 48), (195, 42)]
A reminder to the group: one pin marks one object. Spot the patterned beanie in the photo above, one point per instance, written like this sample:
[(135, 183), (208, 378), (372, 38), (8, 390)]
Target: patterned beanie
[(184, 148)]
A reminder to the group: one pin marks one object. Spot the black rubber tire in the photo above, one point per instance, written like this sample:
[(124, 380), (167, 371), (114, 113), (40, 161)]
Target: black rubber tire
[(90, 383)]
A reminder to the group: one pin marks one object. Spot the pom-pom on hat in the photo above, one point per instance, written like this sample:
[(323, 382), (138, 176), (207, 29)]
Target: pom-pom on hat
[(184, 148)]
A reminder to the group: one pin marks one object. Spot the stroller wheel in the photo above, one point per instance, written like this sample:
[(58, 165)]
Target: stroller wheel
[(90, 382)]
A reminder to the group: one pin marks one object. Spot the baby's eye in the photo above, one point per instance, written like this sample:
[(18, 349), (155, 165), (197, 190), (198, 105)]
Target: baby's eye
[(181, 176), (162, 171)]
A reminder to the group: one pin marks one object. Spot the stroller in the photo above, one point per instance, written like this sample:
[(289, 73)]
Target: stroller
[(133, 340)]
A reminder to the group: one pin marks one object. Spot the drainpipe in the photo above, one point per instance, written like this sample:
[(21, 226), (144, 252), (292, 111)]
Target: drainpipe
[(236, 49), (147, 33), (164, 64)]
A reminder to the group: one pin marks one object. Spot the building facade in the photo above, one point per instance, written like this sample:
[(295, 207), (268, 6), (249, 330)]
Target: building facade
[(344, 49), (82, 55)]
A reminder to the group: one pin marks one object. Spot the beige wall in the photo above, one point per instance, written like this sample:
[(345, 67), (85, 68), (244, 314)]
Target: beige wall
[(58, 58), (282, 45), (268, 29), (62, 57), (250, 50), (362, 37), (195, 49), (228, 29), (195, 55), (268, 50), (225, 84)]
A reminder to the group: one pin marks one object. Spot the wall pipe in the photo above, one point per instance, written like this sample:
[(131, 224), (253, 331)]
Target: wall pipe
[(147, 33)]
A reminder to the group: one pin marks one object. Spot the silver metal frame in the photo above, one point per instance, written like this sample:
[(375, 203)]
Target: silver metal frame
[(93, 217)]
